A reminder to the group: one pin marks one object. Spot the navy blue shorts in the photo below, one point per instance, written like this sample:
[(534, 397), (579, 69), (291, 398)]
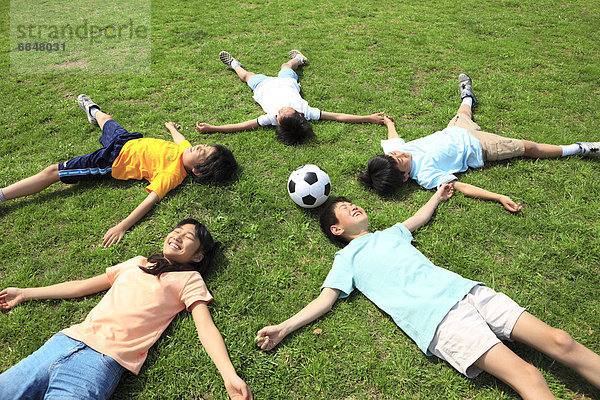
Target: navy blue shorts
[(99, 163)]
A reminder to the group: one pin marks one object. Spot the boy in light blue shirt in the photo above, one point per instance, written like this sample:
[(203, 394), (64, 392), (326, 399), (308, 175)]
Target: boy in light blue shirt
[(459, 320), (433, 160)]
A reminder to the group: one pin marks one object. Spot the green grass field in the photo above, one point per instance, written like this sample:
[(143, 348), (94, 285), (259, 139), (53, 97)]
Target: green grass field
[(536, 72)]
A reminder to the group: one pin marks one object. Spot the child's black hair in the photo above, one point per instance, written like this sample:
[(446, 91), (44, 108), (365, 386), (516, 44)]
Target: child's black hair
[(382, 175), (218, 167), (294, 129), (328, 218), (208, 247)]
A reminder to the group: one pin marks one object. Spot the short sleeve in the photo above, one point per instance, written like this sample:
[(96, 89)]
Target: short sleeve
[(114, 271), (402, 231), (431, 178), (163, 183), (267, 119), (340, 277), (195, 290), (389, 145), (313, 114)]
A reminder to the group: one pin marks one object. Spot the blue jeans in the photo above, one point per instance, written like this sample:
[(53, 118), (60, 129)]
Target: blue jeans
[(63, 368)]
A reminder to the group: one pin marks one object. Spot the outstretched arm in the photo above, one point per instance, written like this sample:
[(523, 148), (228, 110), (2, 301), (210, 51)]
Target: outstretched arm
[(12, 296), (213, 343), (389, 122), (423, 215), (115, 234), (173, 129), (479, 193), (270, 336), (242, 126), (351, 118)]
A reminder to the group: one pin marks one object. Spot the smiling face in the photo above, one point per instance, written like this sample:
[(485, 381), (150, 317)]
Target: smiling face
[(182, 245), (403, 162), (195, 155), (352, 221)]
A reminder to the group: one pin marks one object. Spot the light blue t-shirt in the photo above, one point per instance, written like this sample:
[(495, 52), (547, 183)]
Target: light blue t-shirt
[(436, 157), (400, 280)]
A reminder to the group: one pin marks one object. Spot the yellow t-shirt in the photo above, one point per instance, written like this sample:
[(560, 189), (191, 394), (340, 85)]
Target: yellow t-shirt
[(136, 310), (156, 160)]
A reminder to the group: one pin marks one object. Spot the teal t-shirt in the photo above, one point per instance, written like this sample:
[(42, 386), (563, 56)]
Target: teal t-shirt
[(400, 280), (435, 158)]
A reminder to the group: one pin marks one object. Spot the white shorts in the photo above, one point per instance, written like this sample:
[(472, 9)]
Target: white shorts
[(473, 326)]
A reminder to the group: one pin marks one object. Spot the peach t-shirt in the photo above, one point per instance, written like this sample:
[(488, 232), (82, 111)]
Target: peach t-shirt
[(136, 310), (156, 160)]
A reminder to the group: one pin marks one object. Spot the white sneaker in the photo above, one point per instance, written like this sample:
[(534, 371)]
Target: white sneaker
[(86, 103), (590, 149), (465, 88), (227, 59), (296, 53)]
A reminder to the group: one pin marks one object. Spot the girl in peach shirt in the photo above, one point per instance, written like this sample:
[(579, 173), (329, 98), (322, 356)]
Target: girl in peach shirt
[(86, 360)]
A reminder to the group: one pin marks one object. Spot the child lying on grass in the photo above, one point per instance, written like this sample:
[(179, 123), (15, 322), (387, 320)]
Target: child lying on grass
[(86, 360), (459, 320)]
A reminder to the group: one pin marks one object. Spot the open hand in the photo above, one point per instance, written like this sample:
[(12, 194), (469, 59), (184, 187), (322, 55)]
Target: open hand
[(509, 204), (203, 127), (10, 297), (113, 236), (269, 337), (237, 389), (170, 125)]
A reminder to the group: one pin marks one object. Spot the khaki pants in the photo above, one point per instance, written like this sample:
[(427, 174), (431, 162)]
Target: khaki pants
[(494, 147)]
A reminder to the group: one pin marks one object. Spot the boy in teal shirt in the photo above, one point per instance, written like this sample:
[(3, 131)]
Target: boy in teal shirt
[(459, 320)]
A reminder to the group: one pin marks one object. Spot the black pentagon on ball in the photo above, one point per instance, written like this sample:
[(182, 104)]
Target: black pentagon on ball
[(309, 200), (310, 177), (327, 189), (291, 186)]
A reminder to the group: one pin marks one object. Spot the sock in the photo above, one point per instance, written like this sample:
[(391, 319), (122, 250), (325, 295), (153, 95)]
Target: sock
[(235, 63), (468, 101), (571, 149), (299, 59), (2, 198), (93, 110)]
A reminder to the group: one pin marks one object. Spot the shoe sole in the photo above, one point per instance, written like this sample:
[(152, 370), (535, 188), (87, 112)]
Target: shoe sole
[(225, 58), (464, 79)]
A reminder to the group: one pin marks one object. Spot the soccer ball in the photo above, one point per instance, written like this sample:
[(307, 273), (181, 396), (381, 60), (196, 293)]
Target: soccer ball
[(309, 186)]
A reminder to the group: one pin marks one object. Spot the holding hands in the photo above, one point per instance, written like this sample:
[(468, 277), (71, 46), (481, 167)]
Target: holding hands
[(377, 118), (445, 191), (172, 125)]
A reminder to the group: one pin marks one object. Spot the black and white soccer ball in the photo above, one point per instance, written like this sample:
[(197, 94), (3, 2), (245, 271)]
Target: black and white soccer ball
[(309, 186)]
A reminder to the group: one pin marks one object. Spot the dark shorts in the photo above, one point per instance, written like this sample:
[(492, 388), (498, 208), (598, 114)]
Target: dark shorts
[(98, 164)]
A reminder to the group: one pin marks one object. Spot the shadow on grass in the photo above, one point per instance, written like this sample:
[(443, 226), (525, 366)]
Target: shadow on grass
[(45, 195)]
